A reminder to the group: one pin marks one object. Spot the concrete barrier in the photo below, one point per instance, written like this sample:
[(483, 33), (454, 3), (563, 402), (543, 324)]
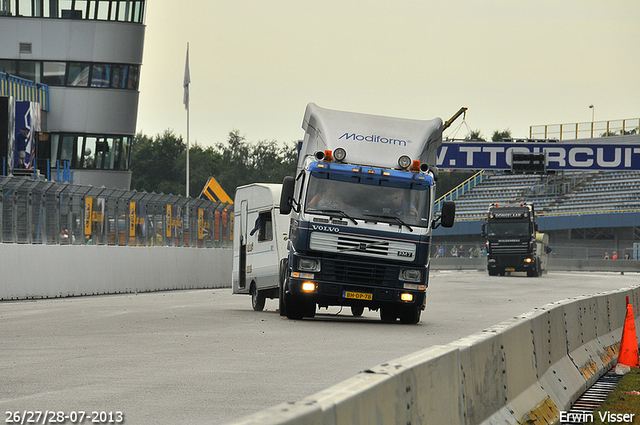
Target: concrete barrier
[(47, 271), (525, 370)]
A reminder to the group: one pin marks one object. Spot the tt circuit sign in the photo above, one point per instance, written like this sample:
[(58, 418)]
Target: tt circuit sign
[(556, 156)]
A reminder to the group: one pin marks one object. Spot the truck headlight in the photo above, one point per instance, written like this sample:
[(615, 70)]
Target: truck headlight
[(308, 286), (309, 264), (404, 162), (406, 297), (412, 275), (528, 260)]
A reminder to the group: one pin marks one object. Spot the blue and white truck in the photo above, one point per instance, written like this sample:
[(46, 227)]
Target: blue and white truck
[(361, 215)]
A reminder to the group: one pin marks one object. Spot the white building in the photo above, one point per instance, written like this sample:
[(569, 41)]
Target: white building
[(89, 53)]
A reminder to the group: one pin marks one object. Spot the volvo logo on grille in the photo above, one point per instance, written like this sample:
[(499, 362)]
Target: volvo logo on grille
[(362, 247), (325, 228)]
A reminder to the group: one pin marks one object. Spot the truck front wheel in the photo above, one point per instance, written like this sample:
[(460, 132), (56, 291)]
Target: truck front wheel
[(410, 315), (388, 314), (293, 309), (284, 263)]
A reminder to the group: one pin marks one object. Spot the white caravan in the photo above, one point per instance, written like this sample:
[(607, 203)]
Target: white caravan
[(259, 242)]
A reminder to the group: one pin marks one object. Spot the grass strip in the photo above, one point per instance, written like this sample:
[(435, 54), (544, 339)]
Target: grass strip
[(623, 400)]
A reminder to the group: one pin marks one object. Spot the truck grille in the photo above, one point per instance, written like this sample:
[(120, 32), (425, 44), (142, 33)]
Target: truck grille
[(362, 246), (350, 272), (509, 248)]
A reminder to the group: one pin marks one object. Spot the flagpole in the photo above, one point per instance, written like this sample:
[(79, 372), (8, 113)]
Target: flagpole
[(187, 80), (187, 151)]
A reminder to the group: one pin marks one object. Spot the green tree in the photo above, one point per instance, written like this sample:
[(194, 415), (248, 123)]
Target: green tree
[(499, 136), (159, 163), (153, 163), (475, 135), (246, 163)]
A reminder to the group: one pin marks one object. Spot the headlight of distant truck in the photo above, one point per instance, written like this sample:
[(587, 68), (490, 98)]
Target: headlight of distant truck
[(309, 264), (412, 275)]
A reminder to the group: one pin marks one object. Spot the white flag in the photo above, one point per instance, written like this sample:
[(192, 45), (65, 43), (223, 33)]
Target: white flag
[(187, 80)]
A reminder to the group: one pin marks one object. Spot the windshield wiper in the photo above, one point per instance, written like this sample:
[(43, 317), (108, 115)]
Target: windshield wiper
[(393, 217), (333, 212)]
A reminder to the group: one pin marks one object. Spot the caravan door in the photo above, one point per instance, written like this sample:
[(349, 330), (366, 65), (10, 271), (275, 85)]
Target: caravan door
[(242, 268)]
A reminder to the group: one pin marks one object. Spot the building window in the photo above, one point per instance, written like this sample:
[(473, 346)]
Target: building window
[(29, 70), (107, 10), (133, 78), (119, 80), (78, 74), (100, 75), (8, 66), (67, 150), (95, 151), (53, 73), (125, 154)]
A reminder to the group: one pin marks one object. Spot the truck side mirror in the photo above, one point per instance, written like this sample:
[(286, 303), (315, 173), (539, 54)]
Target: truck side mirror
[(286, 195), (448, 213), (484, 230)]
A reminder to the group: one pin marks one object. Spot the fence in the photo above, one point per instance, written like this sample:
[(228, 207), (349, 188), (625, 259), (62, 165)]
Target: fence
[(46, 212), (577, 250), (583, 130)]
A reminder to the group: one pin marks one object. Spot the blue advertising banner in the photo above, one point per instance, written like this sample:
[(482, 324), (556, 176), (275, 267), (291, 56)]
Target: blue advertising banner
[(27, 124), (497, 156)]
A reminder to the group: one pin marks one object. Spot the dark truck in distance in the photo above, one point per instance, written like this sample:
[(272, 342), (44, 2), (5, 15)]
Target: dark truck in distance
[(513, 241)]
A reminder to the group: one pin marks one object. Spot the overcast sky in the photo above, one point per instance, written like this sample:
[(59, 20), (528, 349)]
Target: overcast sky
[(514, 63)]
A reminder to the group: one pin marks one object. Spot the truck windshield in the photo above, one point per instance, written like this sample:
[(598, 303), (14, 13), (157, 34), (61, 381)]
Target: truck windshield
[(372, 203), (508, 228)]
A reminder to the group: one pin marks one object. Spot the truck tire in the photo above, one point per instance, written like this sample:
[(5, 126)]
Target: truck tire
[(357, 311), (410, 315), (282, 306), (493, 272), (309, 309), (388, 314), (257, 298), (284, 264), (294, 309)]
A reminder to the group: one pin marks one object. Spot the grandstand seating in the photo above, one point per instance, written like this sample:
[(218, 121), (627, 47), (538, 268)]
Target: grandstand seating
[(578, 192)]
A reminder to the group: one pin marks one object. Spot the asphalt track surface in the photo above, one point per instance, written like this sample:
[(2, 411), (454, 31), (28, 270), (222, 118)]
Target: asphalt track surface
[(205, 357)]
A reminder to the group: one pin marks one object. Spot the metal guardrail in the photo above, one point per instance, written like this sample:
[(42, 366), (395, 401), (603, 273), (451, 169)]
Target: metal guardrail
[(25, 90), (46, 212), (584, 130)]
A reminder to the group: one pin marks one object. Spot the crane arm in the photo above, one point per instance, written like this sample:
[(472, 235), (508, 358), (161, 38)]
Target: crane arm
[(450, 121)]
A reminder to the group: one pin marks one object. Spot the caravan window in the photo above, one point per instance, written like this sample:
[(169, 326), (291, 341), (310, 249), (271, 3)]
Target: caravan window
[(265, 232)]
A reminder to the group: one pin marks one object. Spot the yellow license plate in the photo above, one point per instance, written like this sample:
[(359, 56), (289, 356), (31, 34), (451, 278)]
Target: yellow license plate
[(357, 295), (510, 270)]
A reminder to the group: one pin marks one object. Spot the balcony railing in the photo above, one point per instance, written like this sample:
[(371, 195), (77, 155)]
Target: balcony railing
[(25, 90)]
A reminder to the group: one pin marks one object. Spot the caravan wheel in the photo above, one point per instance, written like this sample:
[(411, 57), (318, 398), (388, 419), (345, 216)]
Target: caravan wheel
[(257, 298)]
